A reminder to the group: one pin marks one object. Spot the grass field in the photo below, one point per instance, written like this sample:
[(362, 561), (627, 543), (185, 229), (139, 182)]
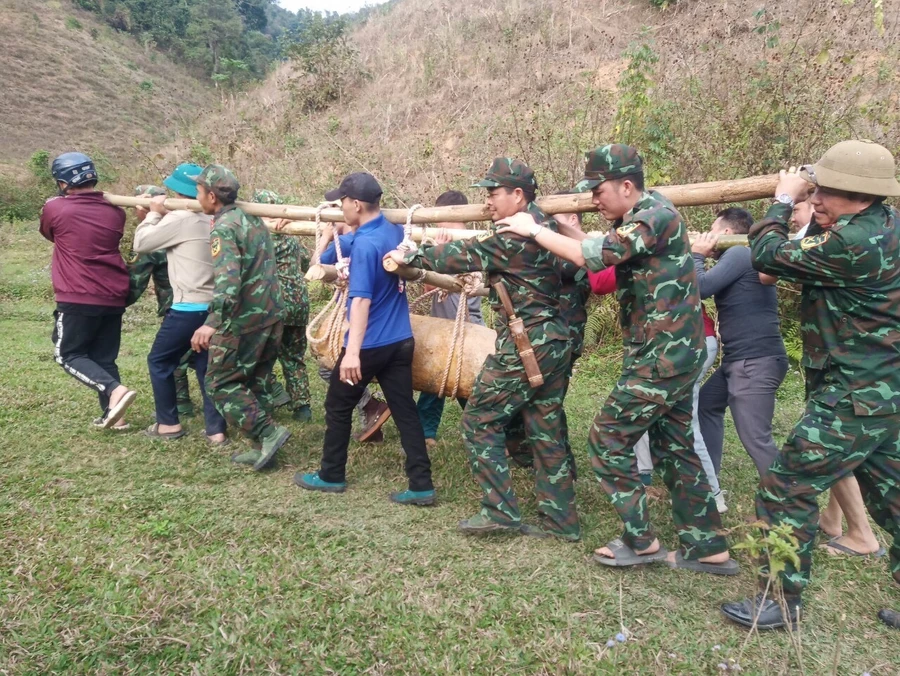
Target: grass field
[(124, 555)]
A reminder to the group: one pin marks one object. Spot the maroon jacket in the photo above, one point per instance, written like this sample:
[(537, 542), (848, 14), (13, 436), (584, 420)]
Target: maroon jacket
[(87, 267)]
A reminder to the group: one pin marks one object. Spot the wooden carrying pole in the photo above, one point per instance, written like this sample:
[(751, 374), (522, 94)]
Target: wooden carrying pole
[(696, 194), (328, 274)]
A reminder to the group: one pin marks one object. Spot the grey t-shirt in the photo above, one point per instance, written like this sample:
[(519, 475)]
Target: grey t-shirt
[(447, 308), (748, 310)]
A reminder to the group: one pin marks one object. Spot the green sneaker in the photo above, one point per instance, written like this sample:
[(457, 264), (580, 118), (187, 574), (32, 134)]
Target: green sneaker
[(302, 414), (418, 498), (271, 442), (481, 524), (250, 457), (279, 396), (538, 532)]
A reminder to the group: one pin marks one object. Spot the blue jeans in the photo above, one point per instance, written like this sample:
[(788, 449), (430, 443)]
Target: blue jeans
[(431, 408), (171, 344)]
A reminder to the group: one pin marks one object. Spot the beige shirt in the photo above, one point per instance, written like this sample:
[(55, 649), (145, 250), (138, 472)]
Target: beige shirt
[(184, 235)]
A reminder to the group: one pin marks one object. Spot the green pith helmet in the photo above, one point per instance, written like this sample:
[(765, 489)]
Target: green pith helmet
[(608, 163), (508, 173), (855, 166), (267, 197), (147, 189)]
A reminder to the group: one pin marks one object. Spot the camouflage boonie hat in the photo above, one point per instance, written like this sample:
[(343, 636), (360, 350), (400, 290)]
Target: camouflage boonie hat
[(267, 197), (508, 173), (152, 190), (219, 180), (607, 163)]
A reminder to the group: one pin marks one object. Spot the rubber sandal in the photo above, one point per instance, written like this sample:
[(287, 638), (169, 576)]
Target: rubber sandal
[(117, 411), (844, 549), (154, 433), (98, 423), (625, 557), (730, 567)]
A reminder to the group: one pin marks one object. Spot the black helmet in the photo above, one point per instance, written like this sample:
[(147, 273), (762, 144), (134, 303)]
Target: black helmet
[(73, 169)]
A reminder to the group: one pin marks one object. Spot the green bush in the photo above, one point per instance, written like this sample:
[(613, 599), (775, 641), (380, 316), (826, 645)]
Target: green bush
[(73, 24)]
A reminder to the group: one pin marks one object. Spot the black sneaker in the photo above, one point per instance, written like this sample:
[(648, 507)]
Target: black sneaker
[(767, 613)]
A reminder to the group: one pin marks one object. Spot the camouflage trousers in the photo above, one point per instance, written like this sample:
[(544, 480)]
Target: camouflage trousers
[(293, 365), (501, 391), (827, 445), (664, 409), (236, 378)]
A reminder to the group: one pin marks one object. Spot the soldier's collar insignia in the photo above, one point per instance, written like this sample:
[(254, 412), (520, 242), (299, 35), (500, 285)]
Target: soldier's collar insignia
[(215, 246), (814, 240)]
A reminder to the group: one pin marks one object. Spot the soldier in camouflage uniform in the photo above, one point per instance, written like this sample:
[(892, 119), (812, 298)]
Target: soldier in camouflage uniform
[(849, 266), (664, 350), (532, 278), (296, 303), (144, 267), (243, 332)]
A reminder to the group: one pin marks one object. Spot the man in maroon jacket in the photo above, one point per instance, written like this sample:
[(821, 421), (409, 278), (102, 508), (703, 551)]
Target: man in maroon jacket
[(90, 282)]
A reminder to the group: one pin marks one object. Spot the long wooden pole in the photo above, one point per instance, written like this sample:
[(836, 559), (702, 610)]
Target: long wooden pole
[(695, 194), (328, 274)]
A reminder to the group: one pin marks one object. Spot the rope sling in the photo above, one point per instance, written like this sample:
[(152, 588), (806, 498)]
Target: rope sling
[(329, 322)]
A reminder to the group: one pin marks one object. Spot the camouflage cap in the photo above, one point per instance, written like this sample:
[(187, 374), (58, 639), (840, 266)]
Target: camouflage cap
[(607, 163), (147, 189), (267, 197), (855, 166), (508, 173), (219, 180)]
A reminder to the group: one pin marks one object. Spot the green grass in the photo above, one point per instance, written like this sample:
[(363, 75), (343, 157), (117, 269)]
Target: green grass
[(124, 555)]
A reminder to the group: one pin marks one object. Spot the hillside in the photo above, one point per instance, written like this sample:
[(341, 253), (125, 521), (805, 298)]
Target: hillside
[(706, 89), (70, 81)]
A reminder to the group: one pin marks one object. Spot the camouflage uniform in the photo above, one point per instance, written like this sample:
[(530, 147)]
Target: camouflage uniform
[(574, 292), (531, 276), (850, 320), (246, 312), (288, 254), (664, 351), (142, 268)]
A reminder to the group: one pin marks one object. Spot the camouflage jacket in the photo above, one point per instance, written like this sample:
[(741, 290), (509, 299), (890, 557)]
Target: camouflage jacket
[(657, 289), (288, 259), (247, 296), (850, 304), (531, 275), (143, 267), (573, 298)]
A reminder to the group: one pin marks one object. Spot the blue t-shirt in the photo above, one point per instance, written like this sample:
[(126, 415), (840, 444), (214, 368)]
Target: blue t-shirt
[(329, 256), (389, 310)]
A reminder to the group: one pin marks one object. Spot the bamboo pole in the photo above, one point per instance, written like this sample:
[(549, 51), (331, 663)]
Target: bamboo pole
[(695, 194), (328, 274)]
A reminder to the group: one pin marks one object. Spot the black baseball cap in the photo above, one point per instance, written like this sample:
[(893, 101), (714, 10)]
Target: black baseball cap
[(359, 186)]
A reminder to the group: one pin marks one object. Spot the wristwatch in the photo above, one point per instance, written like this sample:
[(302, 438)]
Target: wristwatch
[(535, 229), (784, 198)]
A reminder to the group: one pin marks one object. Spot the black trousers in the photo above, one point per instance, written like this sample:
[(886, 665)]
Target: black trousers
[(87, 346), (392, 365)]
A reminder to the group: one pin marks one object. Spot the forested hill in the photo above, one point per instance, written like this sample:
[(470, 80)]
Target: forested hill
[(426, 93)]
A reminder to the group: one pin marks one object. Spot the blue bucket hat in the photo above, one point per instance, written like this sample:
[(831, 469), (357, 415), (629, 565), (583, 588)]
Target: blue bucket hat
[(183, 179)]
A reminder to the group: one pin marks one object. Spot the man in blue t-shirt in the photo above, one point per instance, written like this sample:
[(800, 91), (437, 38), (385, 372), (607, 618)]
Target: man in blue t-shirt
[(379, 344)]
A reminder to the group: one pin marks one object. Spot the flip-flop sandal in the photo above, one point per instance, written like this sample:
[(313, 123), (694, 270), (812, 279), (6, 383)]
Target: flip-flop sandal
[(154, 433), (730, 567), (117, 411), (98, 423), (625, 557), (844, 549)]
